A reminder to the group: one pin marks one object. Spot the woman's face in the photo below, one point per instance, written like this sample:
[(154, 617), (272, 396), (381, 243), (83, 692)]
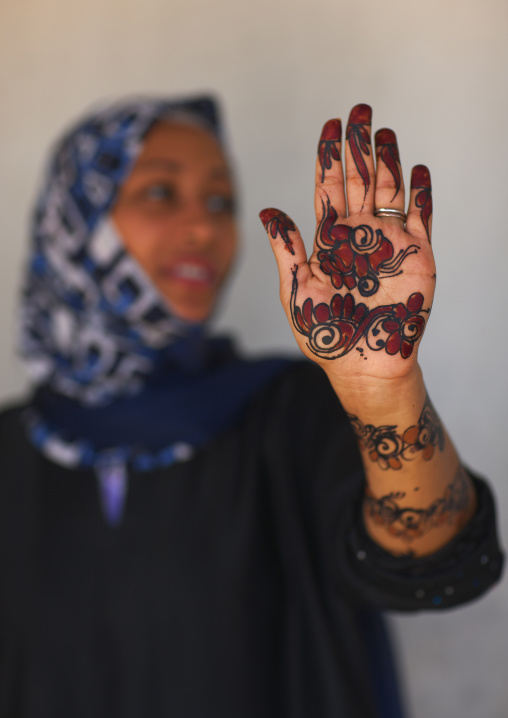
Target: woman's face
[(175, 215)]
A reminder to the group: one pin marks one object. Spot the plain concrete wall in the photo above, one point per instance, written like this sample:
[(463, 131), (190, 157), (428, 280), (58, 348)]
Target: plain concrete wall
[(433, 70)]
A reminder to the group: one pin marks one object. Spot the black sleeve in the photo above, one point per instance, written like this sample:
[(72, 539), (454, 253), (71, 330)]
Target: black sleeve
[(461, 571), (327, 472)]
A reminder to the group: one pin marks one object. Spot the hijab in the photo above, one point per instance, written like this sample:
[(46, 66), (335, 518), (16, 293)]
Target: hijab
[(122, 383)]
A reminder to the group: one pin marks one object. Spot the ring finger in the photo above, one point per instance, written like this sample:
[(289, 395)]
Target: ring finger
[(390, 192)]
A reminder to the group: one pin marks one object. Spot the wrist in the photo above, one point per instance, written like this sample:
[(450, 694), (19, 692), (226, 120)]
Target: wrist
[(370, 397)]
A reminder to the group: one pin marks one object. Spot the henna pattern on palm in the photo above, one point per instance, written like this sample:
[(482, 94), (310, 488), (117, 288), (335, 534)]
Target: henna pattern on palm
[(329, 145), (333, 330), (420, 180), (277, 222), (356, 256), (409, 523), (388, 152), (358, 136), (389, 449)]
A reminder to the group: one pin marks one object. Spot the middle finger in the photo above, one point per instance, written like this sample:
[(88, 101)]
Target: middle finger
[(360, 174)]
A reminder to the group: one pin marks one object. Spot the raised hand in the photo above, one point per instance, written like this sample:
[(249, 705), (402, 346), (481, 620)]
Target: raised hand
[(359, 305)]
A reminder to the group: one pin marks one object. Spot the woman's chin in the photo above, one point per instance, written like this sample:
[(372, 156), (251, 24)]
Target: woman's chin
[(195, 314)]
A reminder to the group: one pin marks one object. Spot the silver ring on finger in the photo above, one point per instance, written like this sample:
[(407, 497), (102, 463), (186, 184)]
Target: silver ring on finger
[(389, 212)]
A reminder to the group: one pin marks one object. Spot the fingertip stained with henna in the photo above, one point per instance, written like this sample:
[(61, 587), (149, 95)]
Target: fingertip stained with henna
[(385, 136), (277, 222), (360, 115), (332, 131), (420, 177)]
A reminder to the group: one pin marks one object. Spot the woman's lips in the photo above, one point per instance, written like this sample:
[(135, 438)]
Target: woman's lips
[(191, 271)]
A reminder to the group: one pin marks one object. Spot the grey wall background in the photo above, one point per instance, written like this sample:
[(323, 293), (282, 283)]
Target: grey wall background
[(433, 70)]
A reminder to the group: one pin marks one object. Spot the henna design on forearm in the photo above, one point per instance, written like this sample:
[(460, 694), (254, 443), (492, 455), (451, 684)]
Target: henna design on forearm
[(420, 180), (329, 145), (389, 449), (277, 222), (333, 330), (358, 136), (388, 152), (408, 523), (356, 256)]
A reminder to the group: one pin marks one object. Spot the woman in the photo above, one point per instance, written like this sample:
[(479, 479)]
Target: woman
[(181, 529)]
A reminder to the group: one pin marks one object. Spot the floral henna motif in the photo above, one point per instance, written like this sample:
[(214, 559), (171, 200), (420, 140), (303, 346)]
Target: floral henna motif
[(409, 523), (333, 330), (420, 180), (329, 145), (277, 222), (356, 256), (389, 449), (388, 152), (358, 136)]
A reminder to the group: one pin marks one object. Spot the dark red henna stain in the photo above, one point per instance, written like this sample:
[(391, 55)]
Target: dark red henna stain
[(360, 115), (356, 256), (334, 330), (358, 136), (389, 448), (329, 145), (277, 222), (420, 180), (388, 152)]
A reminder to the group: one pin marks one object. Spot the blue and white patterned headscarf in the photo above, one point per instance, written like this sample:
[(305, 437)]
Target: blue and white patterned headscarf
[(122, 383), (92, 323)]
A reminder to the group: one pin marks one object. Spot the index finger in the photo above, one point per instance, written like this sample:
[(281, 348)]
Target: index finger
[(329, 171)]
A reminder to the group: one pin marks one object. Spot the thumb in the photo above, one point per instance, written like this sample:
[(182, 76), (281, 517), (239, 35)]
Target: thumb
[(287, 245)]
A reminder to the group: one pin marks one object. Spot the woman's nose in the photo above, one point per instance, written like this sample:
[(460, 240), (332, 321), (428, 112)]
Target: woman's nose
[(200, 225)]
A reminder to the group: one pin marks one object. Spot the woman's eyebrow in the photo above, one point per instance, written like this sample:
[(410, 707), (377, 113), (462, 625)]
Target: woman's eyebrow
[(158, 163)]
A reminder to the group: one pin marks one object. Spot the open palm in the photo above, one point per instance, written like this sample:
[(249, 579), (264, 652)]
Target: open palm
[(359, 304)]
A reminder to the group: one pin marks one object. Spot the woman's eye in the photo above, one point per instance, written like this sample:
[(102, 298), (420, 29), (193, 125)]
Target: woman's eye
[(159, 193), (220, 203)]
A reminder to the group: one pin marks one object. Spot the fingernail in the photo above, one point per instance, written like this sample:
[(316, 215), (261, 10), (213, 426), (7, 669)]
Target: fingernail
[(385, 136), (420, 177), (332, 131), (360, 115), (266, 215)]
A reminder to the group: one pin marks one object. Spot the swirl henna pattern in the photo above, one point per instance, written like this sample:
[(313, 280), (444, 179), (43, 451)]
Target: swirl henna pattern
[(389, 449), (358, 137), (409, 523), (333, 330), (356, 256), (388, 152)]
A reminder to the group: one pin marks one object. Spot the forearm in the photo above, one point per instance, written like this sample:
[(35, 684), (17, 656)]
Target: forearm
[(417, 496)]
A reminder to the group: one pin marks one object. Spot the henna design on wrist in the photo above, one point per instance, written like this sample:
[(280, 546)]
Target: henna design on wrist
[(333, 330), (329, 145), (388, 152), (389, 449), (277, 222), (420, 180), (358, 136), (408, 523), (356, 256)]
